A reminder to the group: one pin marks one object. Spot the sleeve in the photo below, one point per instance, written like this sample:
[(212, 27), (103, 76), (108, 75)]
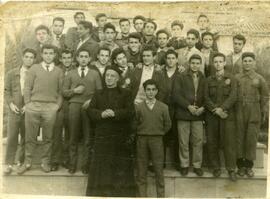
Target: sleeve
[(209, 104), (264, 92), (8, 88), (69, 39), (98, 82), (28, 85), (231, 100), (161, 84), (127, 112), (93, 112), (167, 120), (60, 86), (67, 91), (177, 93)]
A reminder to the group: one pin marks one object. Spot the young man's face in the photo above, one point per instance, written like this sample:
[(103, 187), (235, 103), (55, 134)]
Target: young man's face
[(103, 57), (125, 27), (171, 60), (203, 23), (248, 63), (28, 59), (148, 58), (109, 34), (162, 40), (149, 29), (195, 65), (82, 31), (42, 36), (151, 92), (83, 58), (219, 63), (111, 78), (48, 55), (121, 60), (238, 45), (207, 41), (66, 59), (191, 40), (134, 44), (58, 27), (79, 18), (176, 31), (102, 21), (138, 25)]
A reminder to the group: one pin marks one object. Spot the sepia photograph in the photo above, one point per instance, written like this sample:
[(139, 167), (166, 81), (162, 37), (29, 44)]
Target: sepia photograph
[(134, 99)]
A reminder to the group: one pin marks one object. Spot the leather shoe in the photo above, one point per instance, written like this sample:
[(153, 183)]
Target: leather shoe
[(198, 171), (249, 172), (232, 175), (216, 173), (241, 171), (54, 167), (184, 171), (71, 170), (8, 170), (46, 168), (22, 169)]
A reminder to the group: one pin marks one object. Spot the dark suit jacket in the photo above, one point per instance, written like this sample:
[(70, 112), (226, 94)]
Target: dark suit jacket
[(233, 68), (91, 45), (184, 95), (136, 80), (13, 88)]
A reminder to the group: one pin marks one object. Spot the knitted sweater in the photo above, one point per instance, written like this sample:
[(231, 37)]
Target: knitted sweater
[(43, 86), (152, 122)]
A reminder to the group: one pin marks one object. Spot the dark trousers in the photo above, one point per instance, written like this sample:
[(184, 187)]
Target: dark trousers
[(16, 127), (39, 115), (60, 152), (221, 134), (78, 127), (150, 146)]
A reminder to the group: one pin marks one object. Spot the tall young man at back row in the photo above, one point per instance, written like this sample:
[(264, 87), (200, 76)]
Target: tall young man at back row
[(43, 98)]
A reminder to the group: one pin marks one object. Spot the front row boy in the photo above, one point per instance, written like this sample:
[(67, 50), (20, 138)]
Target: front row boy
[(153, 121), (188, 95), (220, 99), (253, 101)]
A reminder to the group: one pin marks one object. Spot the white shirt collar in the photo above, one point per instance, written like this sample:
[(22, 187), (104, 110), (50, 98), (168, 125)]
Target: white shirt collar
[(51, 66), (86, 69)]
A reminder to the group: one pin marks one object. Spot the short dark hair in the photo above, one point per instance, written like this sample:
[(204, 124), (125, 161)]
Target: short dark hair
[(177, 23), (135, 35), (99, 15), (61, 19), (240, 37), (163, 31), (117, 52), (82, 50), (123, 20), (138, 17), (150, 82), (202, 16), (150, 21), (248, 54), (109, 26), (48, 46), (218, 54), (104, 48), (66, 51), (42, 27), (149, 48), (78, 13), (194, 32), (195, 56), (87, 25), (207, 33), (171, 52), (30, 50)]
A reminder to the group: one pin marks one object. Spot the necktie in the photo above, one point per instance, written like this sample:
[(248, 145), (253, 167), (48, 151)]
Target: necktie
[(47, 67), (82, 72)]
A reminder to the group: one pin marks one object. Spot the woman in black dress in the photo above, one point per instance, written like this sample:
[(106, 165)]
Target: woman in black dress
[(111, 168)]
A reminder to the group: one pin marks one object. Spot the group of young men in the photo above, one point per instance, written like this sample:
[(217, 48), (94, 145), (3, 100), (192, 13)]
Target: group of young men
[(195, 93)]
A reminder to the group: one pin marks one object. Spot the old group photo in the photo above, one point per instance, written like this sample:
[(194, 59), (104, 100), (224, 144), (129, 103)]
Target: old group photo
[(136, 99)]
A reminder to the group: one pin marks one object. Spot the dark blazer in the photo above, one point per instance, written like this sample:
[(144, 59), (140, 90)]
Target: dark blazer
[(13, 88), (184, 95), (210, 69), (233, 68), (91, 45), (136, 80)]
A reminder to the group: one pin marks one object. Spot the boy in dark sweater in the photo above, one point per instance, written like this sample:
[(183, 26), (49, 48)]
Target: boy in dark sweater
[(153, 121), (188, 96), (79, 86)]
